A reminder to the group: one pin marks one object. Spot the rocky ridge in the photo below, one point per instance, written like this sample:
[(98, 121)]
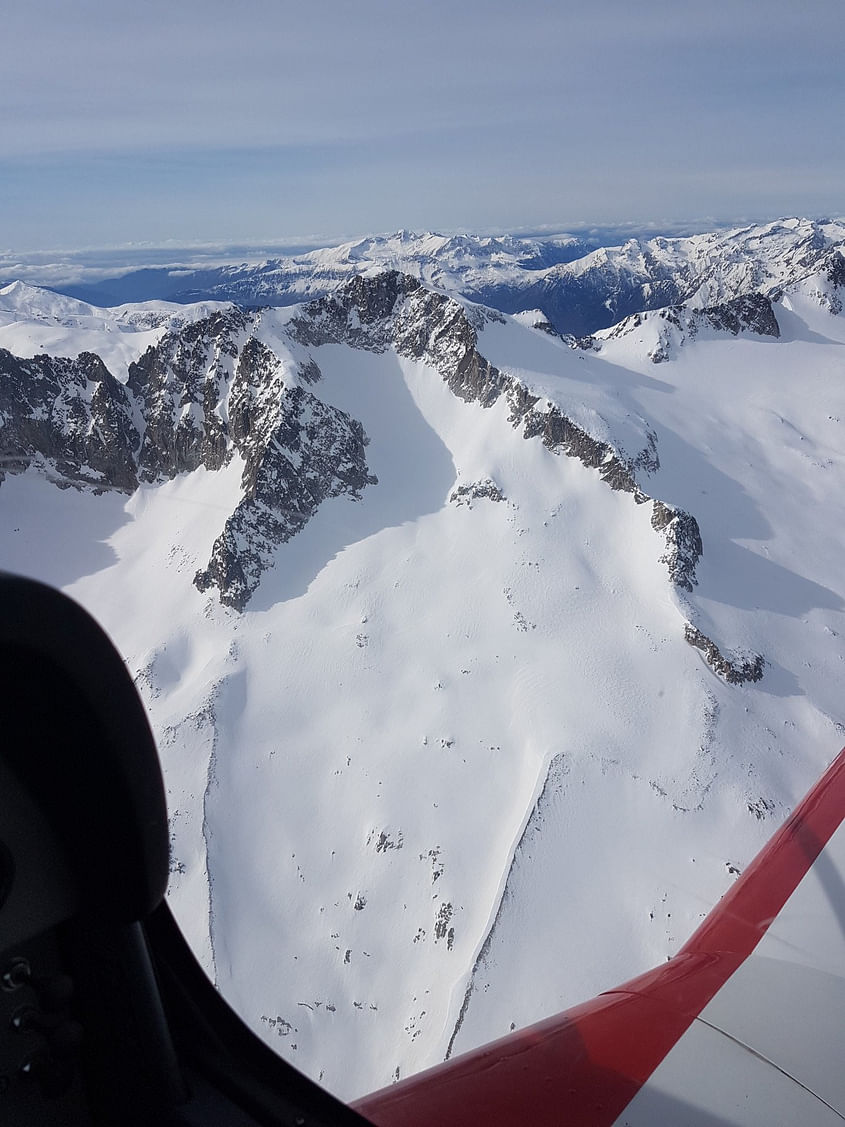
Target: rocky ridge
[(394, 310), (675, 325), (212, 390), (204, 394), (72, 418)]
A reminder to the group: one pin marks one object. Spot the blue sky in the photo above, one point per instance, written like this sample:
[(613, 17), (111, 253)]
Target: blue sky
[(269, 121)]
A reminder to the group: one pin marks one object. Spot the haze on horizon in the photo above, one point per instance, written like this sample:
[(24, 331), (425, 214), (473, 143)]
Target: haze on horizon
[(268, 122)]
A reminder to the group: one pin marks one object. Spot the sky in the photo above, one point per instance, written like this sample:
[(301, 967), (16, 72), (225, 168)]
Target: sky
[(269, 122)]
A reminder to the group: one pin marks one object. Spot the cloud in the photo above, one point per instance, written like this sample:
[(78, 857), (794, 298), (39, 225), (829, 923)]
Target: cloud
[(159, 120), (97, 75)]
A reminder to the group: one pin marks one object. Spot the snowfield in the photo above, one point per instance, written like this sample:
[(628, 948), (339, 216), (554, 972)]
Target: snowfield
[(456, 767)]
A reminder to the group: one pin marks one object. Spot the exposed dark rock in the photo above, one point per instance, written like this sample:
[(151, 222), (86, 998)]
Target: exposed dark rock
[(442, 930), (751, 313), (71, 416), (201, 394), (541, 322), (356, 314), (678, 324), (833, 270), (586, 344), (394, 310), (683, 543), (734, 670), (466, 494), (313, 452), (562, 436), (761, 808), (213, 389), (179, 384), (648, 458), (386, 839)]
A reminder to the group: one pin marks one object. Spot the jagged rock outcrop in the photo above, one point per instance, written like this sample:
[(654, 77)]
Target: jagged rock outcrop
[(214, 389), (736, 670), (752, 313), (70, 416), (677, 324), (394, 310), (835, 268), (683, 543), (180, 386), (316, 451), (486, 490), (561, 435), (829, 282), (199, 396)]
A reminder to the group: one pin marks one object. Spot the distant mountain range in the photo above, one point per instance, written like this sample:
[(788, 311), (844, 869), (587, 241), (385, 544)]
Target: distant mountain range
[(579, 288)]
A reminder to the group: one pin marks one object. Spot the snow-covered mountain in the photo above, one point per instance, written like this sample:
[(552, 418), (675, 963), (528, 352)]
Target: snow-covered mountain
[(480, 660), (580, 289)]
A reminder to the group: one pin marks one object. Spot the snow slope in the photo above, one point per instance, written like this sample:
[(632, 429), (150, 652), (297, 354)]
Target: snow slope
[(749, 440), (455, 766)]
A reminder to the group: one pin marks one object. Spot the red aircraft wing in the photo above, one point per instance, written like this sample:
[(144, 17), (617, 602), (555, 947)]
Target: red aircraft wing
[(743, 1026)]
